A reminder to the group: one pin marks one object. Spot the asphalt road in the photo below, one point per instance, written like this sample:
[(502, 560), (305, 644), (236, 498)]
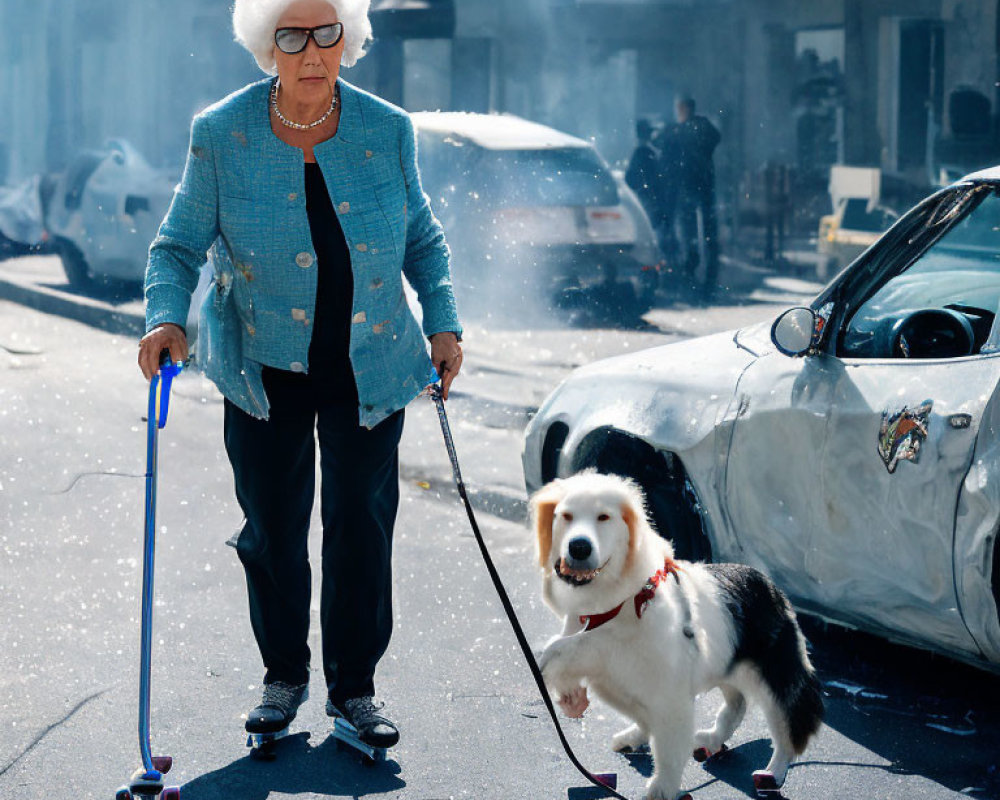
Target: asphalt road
[(900, 724)]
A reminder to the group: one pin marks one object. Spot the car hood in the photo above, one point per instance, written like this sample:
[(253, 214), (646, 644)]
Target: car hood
[(755, 338), (671, 396)]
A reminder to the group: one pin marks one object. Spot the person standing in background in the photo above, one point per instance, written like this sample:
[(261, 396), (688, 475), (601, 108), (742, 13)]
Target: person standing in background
[(643, 173), (693, 140), (650, 174)]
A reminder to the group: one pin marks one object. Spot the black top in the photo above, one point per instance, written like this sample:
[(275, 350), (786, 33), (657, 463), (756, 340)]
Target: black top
[(330, 373), (686, 155), (644, 178)]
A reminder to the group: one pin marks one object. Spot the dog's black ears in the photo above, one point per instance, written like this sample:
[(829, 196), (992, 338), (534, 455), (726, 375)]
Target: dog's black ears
[(543, 509)]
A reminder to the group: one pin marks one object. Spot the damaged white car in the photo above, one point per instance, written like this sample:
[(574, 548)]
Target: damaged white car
[(851, 449), (104, 211)]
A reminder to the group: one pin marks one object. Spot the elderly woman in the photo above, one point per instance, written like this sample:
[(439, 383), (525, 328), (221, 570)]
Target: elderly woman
[(307, 189)]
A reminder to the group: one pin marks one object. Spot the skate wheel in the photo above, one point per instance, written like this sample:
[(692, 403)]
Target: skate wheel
[(702, 754), (162, 764), (145, 784), (765, 783), (171, 793), (263, 754), (123, 794), (609, 779)]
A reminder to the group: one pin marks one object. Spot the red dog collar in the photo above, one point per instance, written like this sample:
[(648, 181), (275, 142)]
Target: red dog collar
[(641, 600)]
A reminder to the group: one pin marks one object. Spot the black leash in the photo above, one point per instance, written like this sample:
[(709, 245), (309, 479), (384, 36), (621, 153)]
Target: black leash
[(605, 782)]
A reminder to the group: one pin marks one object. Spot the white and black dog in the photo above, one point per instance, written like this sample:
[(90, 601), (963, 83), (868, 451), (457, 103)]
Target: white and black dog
[(648, 634)]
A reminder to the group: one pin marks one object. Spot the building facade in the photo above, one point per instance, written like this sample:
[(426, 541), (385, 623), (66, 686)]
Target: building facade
[(905, 85)]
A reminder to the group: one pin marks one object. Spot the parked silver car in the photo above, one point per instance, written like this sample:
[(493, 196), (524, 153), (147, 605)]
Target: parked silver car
[(103, 212), (530, 211), (851, 450)]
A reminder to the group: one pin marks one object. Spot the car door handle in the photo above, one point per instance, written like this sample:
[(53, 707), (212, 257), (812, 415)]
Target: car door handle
[(960, 421)]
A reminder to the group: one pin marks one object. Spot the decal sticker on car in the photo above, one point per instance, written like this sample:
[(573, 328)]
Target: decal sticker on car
[(901, 434)]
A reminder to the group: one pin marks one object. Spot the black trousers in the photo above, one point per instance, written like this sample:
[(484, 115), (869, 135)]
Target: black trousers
[(689, 208), (274, 469)]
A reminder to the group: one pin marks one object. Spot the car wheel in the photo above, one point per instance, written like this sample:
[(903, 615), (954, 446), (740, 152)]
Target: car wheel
[(671, 500), (621, 297), (73, 264), (648, 283), (11, 249)]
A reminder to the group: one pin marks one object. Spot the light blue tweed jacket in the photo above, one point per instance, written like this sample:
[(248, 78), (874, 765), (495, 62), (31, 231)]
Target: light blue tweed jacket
[(243, 196)]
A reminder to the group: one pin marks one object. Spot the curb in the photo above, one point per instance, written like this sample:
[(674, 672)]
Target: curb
[(87, 310)]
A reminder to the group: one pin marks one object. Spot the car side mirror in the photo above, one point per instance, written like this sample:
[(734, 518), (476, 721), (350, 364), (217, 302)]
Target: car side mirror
[(792, 332)]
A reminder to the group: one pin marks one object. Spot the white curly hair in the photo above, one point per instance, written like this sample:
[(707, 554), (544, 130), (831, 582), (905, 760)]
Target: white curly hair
[(254, 23)]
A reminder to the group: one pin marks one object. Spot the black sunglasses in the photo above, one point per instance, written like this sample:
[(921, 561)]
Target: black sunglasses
[(294, 40)]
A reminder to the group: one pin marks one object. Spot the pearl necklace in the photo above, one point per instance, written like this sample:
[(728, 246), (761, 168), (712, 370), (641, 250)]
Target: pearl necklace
[(298, 125)]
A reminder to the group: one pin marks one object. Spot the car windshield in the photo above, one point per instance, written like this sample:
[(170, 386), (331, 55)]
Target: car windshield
[(454, 170), (565, 176), (961, 272)]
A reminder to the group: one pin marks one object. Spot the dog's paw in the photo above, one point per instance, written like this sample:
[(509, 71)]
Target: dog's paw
[(704, 753), (628, 740), (575, 702), (657, 789)]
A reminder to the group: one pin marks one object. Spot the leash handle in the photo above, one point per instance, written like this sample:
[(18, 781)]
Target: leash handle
[(607, 784), (449, 442)]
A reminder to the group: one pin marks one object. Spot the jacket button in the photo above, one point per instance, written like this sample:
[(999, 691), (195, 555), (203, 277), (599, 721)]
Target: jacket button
[(293, 196), (362, 246), (344, 207), (304, 260), (368, 153), (298, 313), (297, 366)]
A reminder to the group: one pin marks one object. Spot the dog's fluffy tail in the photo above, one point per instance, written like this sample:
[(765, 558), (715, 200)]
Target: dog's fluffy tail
[(767, 635), (805, 711)]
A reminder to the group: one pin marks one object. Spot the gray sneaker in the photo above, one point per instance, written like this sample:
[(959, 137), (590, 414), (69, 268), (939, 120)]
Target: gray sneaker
[(374, 729), (277, 709)]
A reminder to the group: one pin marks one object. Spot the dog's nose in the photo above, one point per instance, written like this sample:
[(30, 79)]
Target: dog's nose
[(580, 548)]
